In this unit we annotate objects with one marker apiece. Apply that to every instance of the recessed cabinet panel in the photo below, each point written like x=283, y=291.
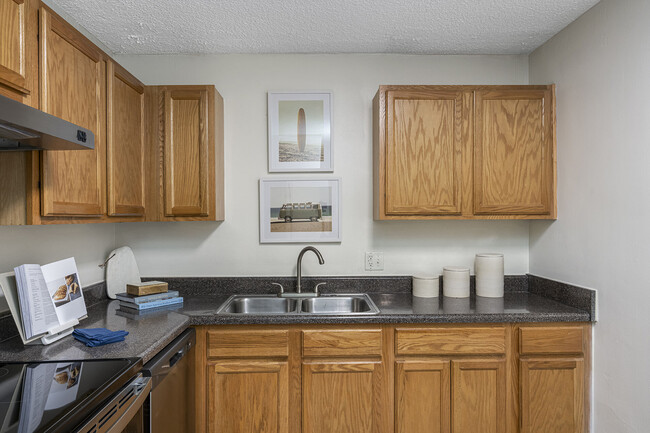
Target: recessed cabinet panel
x=248, y=396
x=513, y=152
x=422, y=396
x=13, y=40
x=478, y=396
x=423, y=154
x=73, y=78
x=552, y=395
x=340, y=397
x=126, y=146
x=186, y=153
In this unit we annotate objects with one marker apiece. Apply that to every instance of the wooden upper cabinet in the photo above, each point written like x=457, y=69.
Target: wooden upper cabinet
x=125, y=151
x=188, y=129
x=73, y=87
x=423, y=152
x=464, y=152
x=17, y=46
x=514, y=152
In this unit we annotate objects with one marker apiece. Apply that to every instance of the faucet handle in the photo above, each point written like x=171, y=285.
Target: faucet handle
x=317, y=286
x=280, y=286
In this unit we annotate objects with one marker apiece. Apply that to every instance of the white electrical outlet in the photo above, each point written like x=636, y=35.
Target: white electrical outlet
x=374, y=261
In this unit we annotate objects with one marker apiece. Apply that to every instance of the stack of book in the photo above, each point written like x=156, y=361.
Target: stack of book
x=149, y=295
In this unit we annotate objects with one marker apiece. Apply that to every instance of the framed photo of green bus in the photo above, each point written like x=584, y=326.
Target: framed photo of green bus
x=300, y=130
x=300, y=210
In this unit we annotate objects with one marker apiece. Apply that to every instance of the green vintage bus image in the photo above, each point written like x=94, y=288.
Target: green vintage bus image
x=300, y=211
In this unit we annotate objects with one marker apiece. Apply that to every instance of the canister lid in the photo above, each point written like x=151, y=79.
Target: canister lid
x=455, y=269
x=425, y=276
x=490, y=255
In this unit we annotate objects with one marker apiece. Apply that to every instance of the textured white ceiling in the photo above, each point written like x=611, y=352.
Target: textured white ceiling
x=328, y=26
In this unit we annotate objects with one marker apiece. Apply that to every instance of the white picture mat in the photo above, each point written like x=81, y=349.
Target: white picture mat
x=266, y=236
x=275, y=165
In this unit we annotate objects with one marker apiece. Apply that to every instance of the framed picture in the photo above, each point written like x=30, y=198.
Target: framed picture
x=300, y=210
x=300, y=129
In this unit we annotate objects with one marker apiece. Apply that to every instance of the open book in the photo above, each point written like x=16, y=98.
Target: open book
x=48, y=297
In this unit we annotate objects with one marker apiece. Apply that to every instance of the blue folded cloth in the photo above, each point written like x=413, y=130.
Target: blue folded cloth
x=92, y=337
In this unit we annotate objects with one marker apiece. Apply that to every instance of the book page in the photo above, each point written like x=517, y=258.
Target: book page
x=36, y=304
x=64, y=287
x=36, y=389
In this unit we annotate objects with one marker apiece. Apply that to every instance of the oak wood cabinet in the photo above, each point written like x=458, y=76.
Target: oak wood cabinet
x=248, y=396
x=341, y=396
x=456, y=374
x=158, y=150
x=422, y=396
x=18, y=50
x=447, y=378
x=186, y=153
x=73, y=87
x=554, y=379
x=125, y=150
x=342, y=380
x=464, y=152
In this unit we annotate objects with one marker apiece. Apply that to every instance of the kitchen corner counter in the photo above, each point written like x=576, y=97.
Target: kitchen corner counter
x=147, y=336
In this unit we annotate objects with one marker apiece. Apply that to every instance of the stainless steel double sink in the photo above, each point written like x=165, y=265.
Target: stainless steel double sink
x=339, y=305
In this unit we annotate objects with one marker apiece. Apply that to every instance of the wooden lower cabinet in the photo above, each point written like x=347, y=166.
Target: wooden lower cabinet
x=530, y=378
x=552, y=393
x=422, y=396
x=248, y=396
x=341, y=396
x=478, y=397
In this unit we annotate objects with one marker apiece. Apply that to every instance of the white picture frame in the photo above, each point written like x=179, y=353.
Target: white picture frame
x=303, y=222
x=300, y=142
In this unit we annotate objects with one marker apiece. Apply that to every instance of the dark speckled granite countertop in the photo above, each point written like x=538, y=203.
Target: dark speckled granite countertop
x=404, y=308
x=152, y=331
x=146, y=337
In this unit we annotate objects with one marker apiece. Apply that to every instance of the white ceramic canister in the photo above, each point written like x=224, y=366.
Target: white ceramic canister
x=455, y=282
x=426, y=286
x=489, y=275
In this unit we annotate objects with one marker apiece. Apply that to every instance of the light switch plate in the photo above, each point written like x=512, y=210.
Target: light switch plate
x=374, y=261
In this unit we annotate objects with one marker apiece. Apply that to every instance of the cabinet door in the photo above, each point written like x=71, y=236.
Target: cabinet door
x=424, y=141
x=422, y=397
x=248, y=396
x=514, y=152
x=73, y=87
x=125, y=143
x=552, y=393
x=341, y=397
x=478, y=396
x=14, y=25
x=186, y=147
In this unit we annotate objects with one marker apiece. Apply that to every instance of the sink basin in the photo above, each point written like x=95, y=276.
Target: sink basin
x=339, y=304
x=258, y=305
x=345, y=305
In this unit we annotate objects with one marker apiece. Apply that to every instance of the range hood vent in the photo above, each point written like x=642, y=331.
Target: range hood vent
x=26, y=128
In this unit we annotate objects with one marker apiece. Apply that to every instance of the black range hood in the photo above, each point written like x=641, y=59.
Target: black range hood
x=26, y=128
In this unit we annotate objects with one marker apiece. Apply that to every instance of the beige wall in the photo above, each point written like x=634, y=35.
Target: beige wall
x=232, y=248
x=601, y=64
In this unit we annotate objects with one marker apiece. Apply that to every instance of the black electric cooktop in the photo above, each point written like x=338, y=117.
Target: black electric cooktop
x=58, y=396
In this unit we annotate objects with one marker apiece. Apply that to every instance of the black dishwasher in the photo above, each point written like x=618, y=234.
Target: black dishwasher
x=167, y=410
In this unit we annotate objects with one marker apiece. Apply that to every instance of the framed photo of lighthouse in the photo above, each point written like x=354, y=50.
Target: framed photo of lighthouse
x=300, y=130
